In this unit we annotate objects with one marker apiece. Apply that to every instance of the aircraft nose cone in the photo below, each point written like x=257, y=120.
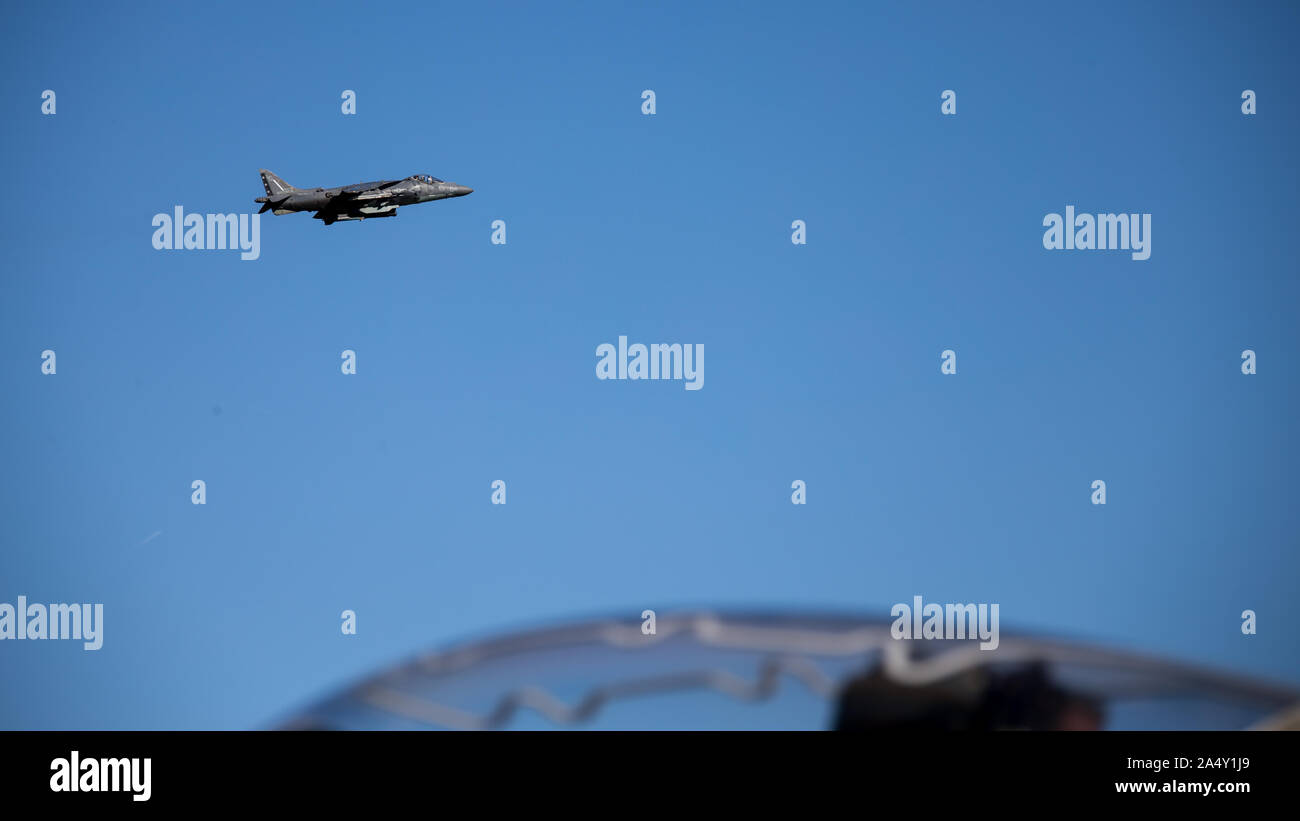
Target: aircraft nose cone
x=460, y=190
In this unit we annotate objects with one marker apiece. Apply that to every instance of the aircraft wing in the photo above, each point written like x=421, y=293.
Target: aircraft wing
x=349, y=199
x=367, y=190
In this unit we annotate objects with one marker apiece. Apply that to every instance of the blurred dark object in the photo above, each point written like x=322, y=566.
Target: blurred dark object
x=1024, y=699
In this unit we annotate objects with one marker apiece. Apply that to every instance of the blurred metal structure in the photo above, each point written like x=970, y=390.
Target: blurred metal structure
x=705, y=670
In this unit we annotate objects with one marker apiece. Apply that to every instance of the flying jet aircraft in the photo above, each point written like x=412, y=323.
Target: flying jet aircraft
x=354, y=202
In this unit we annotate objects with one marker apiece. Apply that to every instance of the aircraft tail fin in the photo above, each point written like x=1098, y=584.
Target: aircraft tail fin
x=274, y=185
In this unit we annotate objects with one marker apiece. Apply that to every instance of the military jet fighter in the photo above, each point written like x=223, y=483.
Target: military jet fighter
x=354, y=202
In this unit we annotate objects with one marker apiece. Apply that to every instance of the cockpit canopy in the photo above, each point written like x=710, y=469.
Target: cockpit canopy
x=425, y=178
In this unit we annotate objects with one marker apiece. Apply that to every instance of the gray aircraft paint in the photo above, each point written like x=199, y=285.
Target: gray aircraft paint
x=364, y=200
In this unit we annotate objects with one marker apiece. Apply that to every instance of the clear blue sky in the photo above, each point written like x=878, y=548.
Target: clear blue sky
x=476, y=362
